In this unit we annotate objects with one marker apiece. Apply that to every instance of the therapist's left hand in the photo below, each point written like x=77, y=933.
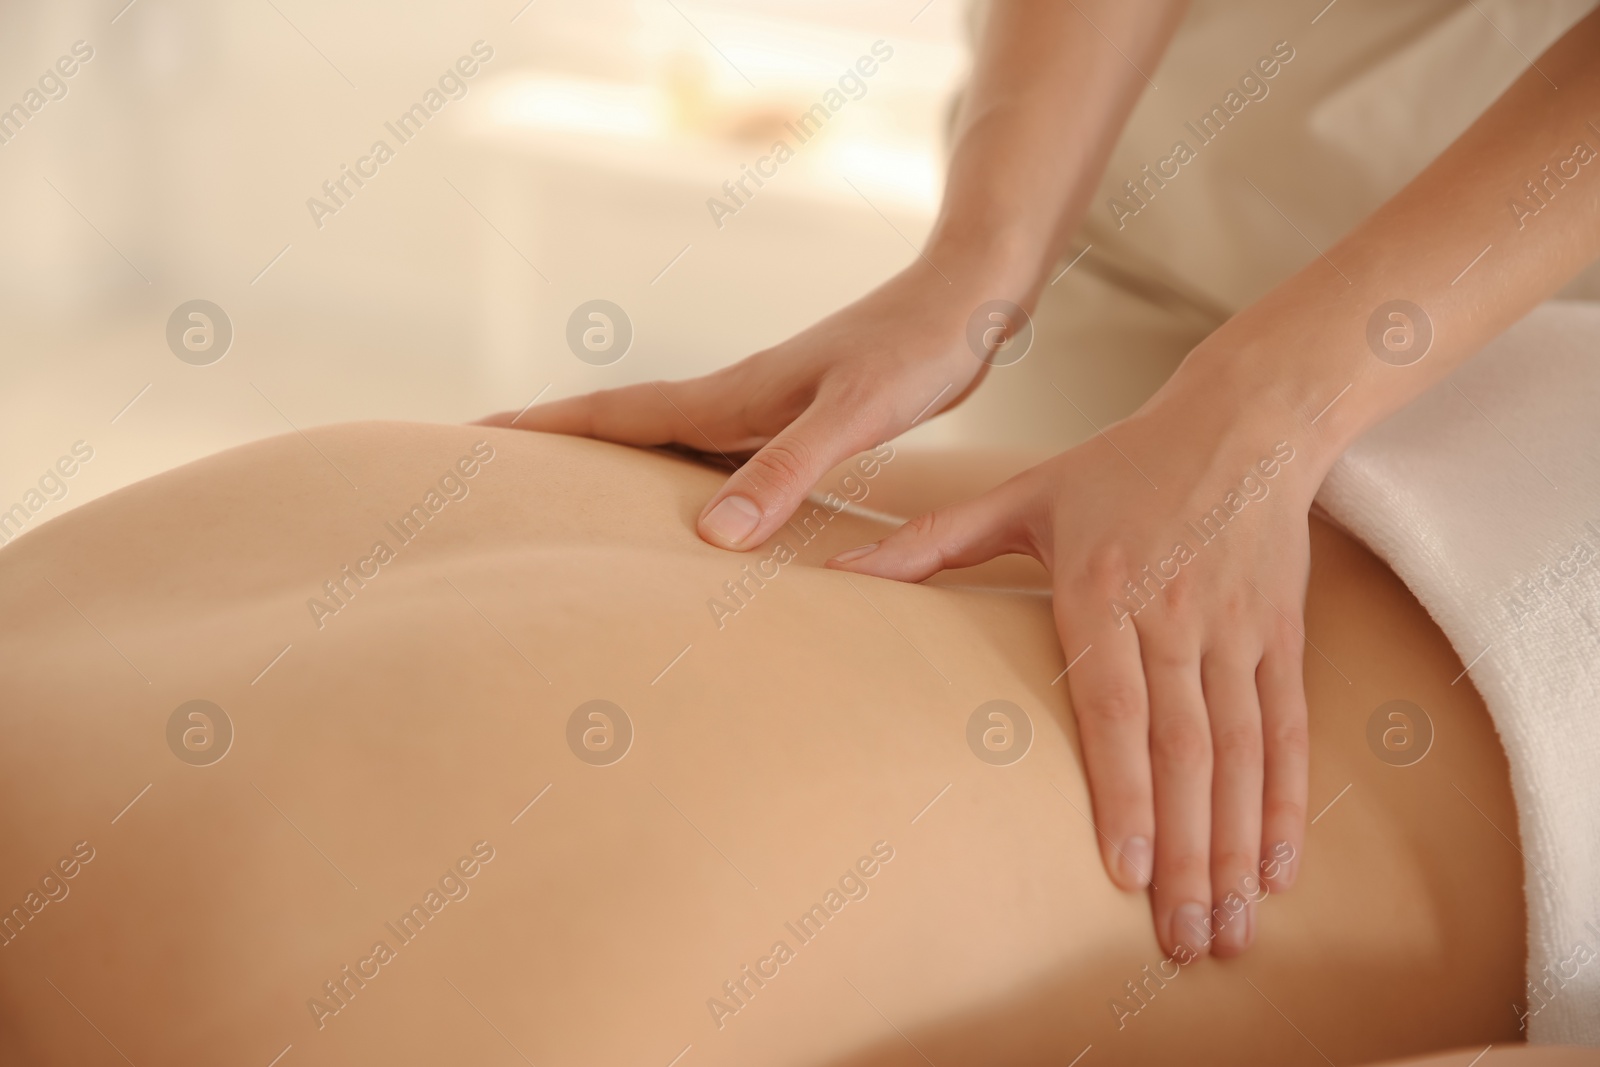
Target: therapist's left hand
x=1184, y=648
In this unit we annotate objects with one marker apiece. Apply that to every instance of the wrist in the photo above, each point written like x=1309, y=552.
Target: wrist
x=1297, y=365
x=1234, y=415
x=984, y=262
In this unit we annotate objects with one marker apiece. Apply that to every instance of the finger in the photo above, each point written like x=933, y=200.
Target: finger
x=1229, y=682
x=764, y=493
x=962, y=535
x=1286, y=747
x=1180, y=766
x=694, y=413
x=499, y=418
x=1110, y=702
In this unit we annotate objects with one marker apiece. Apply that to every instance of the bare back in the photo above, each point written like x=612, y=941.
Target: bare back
x=423, y=840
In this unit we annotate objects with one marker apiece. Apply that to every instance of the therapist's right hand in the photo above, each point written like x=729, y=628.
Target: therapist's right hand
x=861, y=376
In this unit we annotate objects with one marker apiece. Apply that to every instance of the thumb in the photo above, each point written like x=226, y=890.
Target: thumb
x=961, y=535
x=764, y=493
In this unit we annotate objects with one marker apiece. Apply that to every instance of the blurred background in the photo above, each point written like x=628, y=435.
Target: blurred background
x=176, y=164
x=154, y=153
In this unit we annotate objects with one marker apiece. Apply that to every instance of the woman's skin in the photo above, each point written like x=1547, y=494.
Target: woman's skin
x=774, y=747
x=1191, y=710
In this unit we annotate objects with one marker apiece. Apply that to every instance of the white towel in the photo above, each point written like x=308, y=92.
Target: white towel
x=1484, y=497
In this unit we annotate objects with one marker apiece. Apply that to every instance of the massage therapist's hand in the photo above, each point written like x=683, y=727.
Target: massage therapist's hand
x=1036, y=123
x=1179, y=557
x=857, y=378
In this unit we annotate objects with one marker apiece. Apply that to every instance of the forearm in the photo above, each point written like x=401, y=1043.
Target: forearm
x=1300, y=363
x=1048, y=97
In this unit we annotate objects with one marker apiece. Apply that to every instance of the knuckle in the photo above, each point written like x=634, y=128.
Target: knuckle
x=1180, y=596
x=1285, y=637
x=730, y=381
x=1166, y=654
x=1238, y=744
x=1106, y=569
x=784, y=467
x=1114, y=704
x=939, y=529
x=1284, y=811
x=1234, y=607
x=1180, y=741
x=853, y=392
x=1290, y=738
x=609, y=402
x=1232, y=864
x=926, y=525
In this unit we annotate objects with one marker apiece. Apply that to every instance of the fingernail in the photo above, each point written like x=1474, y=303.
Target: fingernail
x=853, y=554
x=732, y=520
x=1234, y=935
x=1189, y=928
x=1136, y=855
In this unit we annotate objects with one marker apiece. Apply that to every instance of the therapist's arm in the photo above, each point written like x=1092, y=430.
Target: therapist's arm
x=1521, y=187
x=1186, y=647
x=1052, y=85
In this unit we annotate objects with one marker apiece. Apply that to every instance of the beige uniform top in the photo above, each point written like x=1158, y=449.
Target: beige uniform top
x=1275, y=126
x=1268, y=133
